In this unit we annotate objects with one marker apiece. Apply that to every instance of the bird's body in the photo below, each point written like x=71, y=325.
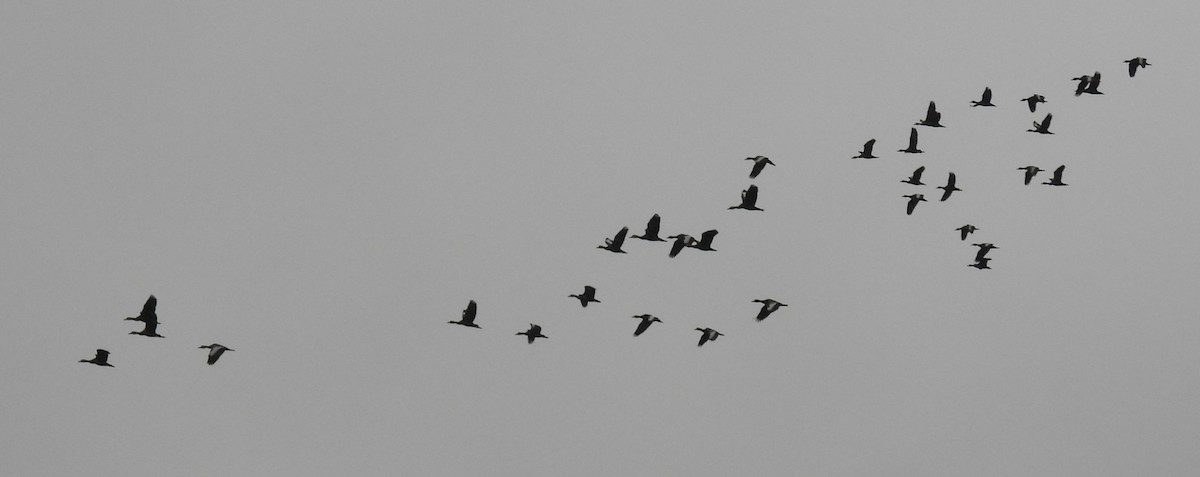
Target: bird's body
x=705, y=242
x=101, y=359
x=681, y=241
x=949, y=188
x=647, y=320
x=150, y=329
x=1082, y=85
x=967, y=230
x=1056, y=180
x=1093, y=84
x=760, y=162
x=986, y=100
x=866, y=152
x=215, y=351
x=768, y=306
x=912, y=201
x=468, y=316
x=651, y=233
x=1030, y=171
x=984, y=248
x=749, y=199
x=912, y=143
x=614, y=244
x=981, y=264
x=534, y=332
x=148, y=311
x=1042, y=127
x=1135, y=63
x=708, y=334
x=588, y=296
x=915, y=178
x=932, y=117
x=1033, y=101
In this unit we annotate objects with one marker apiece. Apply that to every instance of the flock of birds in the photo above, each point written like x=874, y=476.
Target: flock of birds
x=149, y=319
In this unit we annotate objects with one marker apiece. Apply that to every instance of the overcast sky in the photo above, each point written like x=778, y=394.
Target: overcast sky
x=321, y=186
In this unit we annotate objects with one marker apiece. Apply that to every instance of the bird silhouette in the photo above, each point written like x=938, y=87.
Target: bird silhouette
x=749, y=199
x=215, y=351
x=915, y=178
x=468, y=316
x=1042, y=127
x=1057, y=179
x=1033, y=101
x=866, y=152
x=1082, y=85
x=588, y=296
x=681, y=241
x=981, y=264
x=949, y=187
x=651, y=232
x=912, y=201
x=150, y=329
x=912, y=143
x=760, y=162
x=986, y=100
x=1135, y=63
x=614, y=244
x=1030, y=171
x=708, y=334
x=768, y=306
x=101, y=359
x=534, y=332
x=932, y=117
x=647, y=320
x=1092, y=85
x=705, y=242
x=967, y=230
x=984, y=248
x=147, y=314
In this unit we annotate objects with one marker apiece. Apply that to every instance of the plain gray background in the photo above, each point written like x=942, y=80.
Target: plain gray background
x=321, y=186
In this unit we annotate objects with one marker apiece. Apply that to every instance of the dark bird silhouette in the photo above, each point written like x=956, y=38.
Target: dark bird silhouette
x=647, y=320
x=534, y=332
x=949, y=187
x=760, y=162
x=589, y=295
x=1042, y=127
x=215, y=351
x=147, y=315
x=1033, y=101
x=651, y=232
x=1083, y=84
x=681, y=241
x=768, y=306
x=614, y=244
x=101, y=359
x=705, y=242
x=915, y=178
x=981, y=264
x=1093, y=84
x=932, y=117
x=151, y=330
x=986, y=100
x=1030, y=171
x=1135, y=63
x=1057, y=179
x=967, y=230
x=468, y=316
x=912, y=201
x=984, y=248
x=709, y=334
x=749, y=199
x=912, y=143
x=866, y=152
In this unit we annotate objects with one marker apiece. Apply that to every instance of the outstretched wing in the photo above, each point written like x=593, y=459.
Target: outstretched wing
x=468, y=315
x=987, y=95
x=868, y=146
x=652, y=226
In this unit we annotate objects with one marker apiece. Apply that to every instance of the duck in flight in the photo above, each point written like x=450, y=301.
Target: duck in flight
x=708, y=334
x=468, y=316
x=760, y=162
x=866, y=152
x=214, y=352
x=588, y=296
x=949, y=188
x=932, y=117
x=986, y=100
x=984, y=248
x=1057, y=179
x=1082, y=85
x=768, y=306
x=150, y=329
x=147, y=315
x=915, y=178
x=912, y=201
x=651, y=232
x=1030, y=171
x=967, y=230
x=1135, y=63
x=614, y=244
x=981, y=264
x=647, y=320
x=1093, y=84
x=534, y=332
x=101, y=359
x=912, y=143
x=749, y=199
x=681, y=241
x=1042, y=127
x=1033, y=101
x=705, y=242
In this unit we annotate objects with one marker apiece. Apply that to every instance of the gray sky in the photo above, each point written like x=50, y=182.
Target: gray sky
x=322, y=186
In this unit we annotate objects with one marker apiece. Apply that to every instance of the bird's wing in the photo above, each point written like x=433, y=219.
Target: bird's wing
x=214, y=353
x=620, y=237
x=1133, y=65
x=652, y=226
x=912, y=139
x=931, y=114
x=758, y=167
x=751, y=195
x=868, y=146
x=1046, y=122
x=151, y=327
x=101, y=355
x=987, y=95
x=950, y=181
x=917, y=173
x=642, y=327
x=680, y=242
x=468, y=315
x=151, y=304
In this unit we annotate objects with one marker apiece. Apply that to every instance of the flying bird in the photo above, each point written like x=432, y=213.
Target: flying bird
x=984, y=248
x=915, y=178
x=932, y=117
x=768, y=306
x=749, y=199
x=1093, y=84
x=967, y=230
x=912, y=201
x=949, y=187
x=708, y=334
x=1030, y=171
x=1033, y=101
x=614, y=244
x=1042, y=127
x=981, y=264
x=681, y=241
x=1057, y=179
x=534, y=332
x=588, y=296
x=912, y=143
x=866, y=152
x=1135, y=63
x=760, y=162
x=147, y=315
x=986, y=100
x=101, y=359
x=468, y=316
x=150, y=329
x=1083, y=84
x=705, y=242
x=651, y=232
x=647, y=320
x=215, y=351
